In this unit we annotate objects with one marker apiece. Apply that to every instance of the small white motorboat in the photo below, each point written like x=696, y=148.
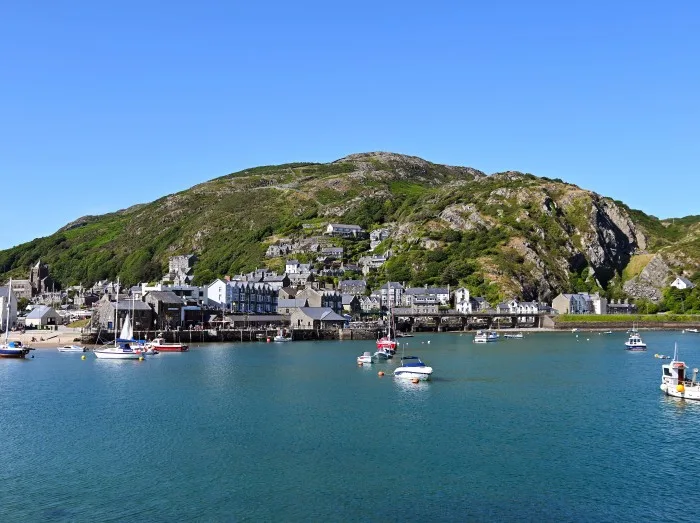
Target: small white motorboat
x=485, y=336
x=71, y=348
x=515, y=335
x=366, y=358
x=280, y=338
x=413, y=368
x=675, y=382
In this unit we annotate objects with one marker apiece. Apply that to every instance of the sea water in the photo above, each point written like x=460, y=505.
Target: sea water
x=552, y=427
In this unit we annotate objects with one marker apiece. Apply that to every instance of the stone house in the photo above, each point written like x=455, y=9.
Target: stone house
x=22, y=289
x=351, y=304
x=312, y=318
x=370, y=304
x=356, y=287
x=167, y=307
x=287, y=306
x=140, y=313
x=322, y=298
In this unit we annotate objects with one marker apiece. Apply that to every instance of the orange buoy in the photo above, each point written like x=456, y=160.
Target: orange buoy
x=380, y=373
x=415, y=380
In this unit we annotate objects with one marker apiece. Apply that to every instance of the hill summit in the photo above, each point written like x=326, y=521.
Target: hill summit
x=503, y=235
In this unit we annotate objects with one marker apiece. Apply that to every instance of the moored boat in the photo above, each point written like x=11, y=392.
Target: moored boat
x=365, y=358
x=282, y=338
x=514, y=335
x=125, y=348
x=162, y=346
x=413, y=368
x=11, y=349
x=485, y=336
x=674, y=380
x=71, y=348
x=635, y=343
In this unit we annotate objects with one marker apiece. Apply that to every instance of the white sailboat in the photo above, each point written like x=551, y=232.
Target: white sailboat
x=11, y=349
x=125, y=347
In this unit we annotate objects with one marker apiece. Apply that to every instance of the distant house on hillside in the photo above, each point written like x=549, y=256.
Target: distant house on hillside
x=345, y=231
x=682, y=283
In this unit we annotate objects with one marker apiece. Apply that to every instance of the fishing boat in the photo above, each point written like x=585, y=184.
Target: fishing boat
x=485, y=336
x=692, y=330
x=675, y=382
x=11, y=349
x=635, y=343
x=71, y=348
x=515, y=335
x=162, y=346
x=413, y=368
x=365, y=358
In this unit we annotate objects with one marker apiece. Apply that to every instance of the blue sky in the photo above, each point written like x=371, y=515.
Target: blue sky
x=106, y=106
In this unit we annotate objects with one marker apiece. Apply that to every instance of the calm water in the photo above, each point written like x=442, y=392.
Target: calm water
x=548, y=428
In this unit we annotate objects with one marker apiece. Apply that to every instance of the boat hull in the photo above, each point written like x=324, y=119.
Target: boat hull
x=412, y=373
x=21, y=353
x=689, y=392
x=171, y=348
x=72, y=348
x=107, y=355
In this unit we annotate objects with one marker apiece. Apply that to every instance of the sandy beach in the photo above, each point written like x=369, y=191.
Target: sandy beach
x=51, y=339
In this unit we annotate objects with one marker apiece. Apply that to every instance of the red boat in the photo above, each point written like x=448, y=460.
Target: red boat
x=386, y=343
x=162, y=346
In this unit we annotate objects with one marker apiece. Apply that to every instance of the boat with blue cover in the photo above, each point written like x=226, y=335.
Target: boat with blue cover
x=413, y=368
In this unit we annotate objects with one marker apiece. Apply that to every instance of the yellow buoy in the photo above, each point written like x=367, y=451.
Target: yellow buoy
x=380, y=373
x=82, y=357
x=140, y=358
x=680, y=387
x=414, y=380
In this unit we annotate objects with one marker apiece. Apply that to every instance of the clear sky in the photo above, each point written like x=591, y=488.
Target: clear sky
x=108, y=104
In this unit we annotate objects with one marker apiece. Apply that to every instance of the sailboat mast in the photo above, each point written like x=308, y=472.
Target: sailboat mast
x=7, y=321
x=116, y=314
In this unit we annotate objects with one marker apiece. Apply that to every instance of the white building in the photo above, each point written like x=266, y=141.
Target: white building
x=41, y=316
x=341, y=229
x=462, y=303
x=682, y=283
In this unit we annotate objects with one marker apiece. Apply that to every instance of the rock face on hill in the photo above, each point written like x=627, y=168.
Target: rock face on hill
x=651, y=280
x=502, y=235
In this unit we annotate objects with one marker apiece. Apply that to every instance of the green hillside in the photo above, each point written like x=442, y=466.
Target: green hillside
x=508, y=234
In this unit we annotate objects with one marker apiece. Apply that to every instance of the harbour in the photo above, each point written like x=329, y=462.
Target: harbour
x=550, y=427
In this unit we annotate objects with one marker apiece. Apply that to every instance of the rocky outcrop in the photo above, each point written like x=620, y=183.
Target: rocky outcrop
x=651, y=280
x=463, y=217
x=611, y=240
